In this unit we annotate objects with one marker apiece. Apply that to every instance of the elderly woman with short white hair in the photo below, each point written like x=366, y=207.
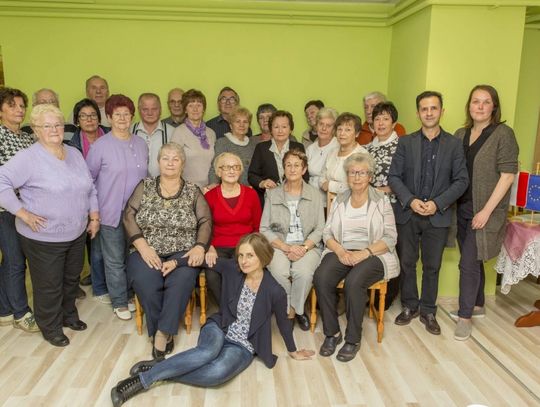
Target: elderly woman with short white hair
x=52, y=234
x=360, y=237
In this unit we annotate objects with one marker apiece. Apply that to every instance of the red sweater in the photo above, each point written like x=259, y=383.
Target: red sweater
x=230, y=224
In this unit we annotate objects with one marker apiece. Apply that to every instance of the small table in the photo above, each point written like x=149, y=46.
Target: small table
x=519, y=257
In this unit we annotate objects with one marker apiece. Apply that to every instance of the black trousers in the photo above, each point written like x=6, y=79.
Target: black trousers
x=472, y=277
x=357, y=280
x=54, y=269
x=213, y=279
x=419, y=234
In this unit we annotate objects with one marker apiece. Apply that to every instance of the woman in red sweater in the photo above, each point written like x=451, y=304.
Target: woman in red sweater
x=236, y=211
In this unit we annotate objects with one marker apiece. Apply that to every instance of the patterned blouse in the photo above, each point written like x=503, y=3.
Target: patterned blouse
x=169, y=225
x=11, y=143
x=382, y=153
x=238, y=331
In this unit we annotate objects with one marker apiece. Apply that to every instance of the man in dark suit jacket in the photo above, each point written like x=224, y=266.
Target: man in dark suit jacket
x=428, y=174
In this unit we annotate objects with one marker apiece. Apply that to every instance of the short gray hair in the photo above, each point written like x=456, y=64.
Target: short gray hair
x=174, y=147
x=222, y=157
x=37, y=92
x=376, y=94
x=39, y=110
x=327, y=112
x=360, y=158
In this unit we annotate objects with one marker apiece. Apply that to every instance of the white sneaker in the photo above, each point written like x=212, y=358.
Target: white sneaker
x=122, y=313
x=131, y=305
x=104, y=299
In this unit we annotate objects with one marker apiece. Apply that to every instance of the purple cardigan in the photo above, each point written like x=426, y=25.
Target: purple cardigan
x=59, y=190
x=117, y=166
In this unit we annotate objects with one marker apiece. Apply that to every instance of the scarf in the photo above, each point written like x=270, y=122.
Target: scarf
x=199, y=132
x=85, y=143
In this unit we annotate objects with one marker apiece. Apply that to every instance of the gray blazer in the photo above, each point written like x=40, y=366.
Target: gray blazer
x=276, y=215
x=451, y=177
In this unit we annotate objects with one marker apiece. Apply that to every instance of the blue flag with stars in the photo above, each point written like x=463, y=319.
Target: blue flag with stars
x=533, y=193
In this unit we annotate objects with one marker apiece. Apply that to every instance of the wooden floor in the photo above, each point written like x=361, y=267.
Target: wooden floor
x=498, y=366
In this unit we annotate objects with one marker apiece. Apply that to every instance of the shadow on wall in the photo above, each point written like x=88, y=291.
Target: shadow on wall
x=2, y=82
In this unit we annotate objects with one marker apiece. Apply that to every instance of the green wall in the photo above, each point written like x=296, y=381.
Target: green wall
x=283, y=64
x=528, y=101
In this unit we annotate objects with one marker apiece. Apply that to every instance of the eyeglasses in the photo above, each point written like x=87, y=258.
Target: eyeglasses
x=50, y=127
x=230, y=167
x=361, y=174
x=91, y=116
x=121, y=115
x=231, y=100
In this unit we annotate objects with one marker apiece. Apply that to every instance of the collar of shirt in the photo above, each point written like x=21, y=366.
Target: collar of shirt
x=284, y=149
x=376, y=142
x=140, y=130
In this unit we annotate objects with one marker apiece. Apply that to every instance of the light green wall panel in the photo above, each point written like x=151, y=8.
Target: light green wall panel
x=408, y=64
x=283, y=64
x=528, y=101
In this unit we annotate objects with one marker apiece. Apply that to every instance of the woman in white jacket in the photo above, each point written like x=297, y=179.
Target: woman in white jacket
x=360, y=237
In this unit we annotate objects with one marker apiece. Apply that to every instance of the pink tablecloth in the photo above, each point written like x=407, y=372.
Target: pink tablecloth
x=518, y=236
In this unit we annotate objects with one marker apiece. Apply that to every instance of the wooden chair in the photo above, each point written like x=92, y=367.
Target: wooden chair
x=378, y=313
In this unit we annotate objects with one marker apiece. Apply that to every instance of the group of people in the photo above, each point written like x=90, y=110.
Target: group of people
x=156, y=202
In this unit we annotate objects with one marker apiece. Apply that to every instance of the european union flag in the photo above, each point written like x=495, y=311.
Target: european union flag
x=533, y=193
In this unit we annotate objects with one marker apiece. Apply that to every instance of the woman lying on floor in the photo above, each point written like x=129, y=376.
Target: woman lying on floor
x=232, y=337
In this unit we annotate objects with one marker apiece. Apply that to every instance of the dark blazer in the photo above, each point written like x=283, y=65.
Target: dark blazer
x=271, y=299
x=451, y=177
x=76, y=139
x=263, y=166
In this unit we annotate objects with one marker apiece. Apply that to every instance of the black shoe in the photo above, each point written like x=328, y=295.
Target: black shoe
x=432, y=326
x=406, y=316
x=347, y=352
x=58, y=340
x=303, y=322
x=80, y=293
x=170, y=346
x=86, y=280
x=142, y=366
x=329, y=345
x=76, y=325
x=159, y=355
x=126, y=389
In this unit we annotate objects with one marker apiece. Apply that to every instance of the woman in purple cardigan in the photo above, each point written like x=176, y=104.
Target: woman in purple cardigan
x=118, y=161
x=48, y=175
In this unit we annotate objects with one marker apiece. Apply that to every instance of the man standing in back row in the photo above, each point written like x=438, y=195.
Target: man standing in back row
x=428, y=174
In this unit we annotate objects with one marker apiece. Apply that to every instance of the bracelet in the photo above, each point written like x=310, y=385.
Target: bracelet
x=306, y=248
x=370, y=252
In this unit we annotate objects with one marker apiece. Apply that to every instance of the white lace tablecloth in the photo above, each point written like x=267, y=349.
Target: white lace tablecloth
x=513, y=271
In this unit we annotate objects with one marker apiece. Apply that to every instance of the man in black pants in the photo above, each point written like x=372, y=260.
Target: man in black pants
x=428, y=174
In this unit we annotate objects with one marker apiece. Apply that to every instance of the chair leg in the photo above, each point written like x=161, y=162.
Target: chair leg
x=189, y=312
x=371, y=302
x=138, y=315
x=380, y=316
x=202, y=294
x=313, y=316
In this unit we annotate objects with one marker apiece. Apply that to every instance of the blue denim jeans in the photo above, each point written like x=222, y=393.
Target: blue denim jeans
x=97, y=268
x=113, y=248
x=13, y=297
x=212, y=362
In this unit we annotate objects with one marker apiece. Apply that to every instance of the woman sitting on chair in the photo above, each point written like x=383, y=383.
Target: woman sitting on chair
x=360, y=237
x=166, y=218
x=232, y=337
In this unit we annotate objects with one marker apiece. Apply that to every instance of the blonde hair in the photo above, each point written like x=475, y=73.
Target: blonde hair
x=39, y=111
x=173, y=147
x=241, y=111
x=222, y=157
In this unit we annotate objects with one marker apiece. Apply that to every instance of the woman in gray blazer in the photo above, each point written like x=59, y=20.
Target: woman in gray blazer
x=293, y=221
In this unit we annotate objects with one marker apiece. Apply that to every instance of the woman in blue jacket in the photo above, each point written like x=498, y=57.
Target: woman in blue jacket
x=232, y=337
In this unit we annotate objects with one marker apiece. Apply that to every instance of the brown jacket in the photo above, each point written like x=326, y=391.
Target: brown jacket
x=499, y=154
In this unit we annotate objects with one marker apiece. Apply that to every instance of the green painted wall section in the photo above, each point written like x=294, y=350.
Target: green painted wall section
x=285, y=65
x=528, y=101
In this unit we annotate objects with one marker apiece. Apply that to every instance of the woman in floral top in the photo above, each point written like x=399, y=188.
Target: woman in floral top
x=166, y=219
x=382, y=149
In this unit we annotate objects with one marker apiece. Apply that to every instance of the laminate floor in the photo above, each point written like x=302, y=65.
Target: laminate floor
x=498, y=366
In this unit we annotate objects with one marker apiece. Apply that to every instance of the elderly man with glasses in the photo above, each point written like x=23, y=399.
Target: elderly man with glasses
x=227, y=100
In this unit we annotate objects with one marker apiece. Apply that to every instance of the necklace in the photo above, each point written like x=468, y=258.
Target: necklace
x=167, y=202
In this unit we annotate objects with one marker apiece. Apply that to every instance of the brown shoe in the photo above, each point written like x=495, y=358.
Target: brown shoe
x=406, y=316
x=432, y=326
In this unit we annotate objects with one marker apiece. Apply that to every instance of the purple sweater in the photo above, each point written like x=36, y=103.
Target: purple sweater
x=59, y=190
x=117, y=166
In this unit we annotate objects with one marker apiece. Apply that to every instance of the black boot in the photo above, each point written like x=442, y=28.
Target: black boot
x=126, y=389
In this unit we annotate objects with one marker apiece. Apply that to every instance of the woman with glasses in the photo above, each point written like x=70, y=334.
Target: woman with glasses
x=86, y=116
x=236, y=212
x=237, y=142
x=55, y=207
x=166, y=218
x=14, y=308
x=118, y=161
x=196, y=138
x=293, y=221
x=360, y=237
